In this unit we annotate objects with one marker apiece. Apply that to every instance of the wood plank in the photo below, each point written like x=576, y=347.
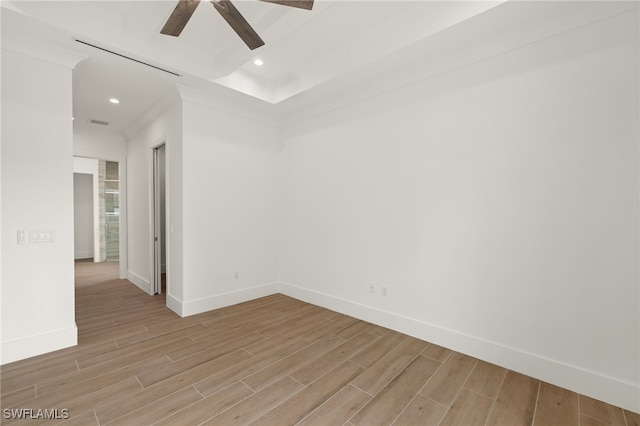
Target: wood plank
x=516, y=401
x=327, y=362
x=81, y=398
x=633, y=419
x=378, y=330
x=337, y=409
x=396, y=395
x=330, y=315
x=160, y=409
x=230, y=323
x=354, y=329
x=123, y=316
x=378, y=349
x=18, y=397
x=59, y=384
x=255, y=304
x=293, y=362
x=288, y=312
x=421, y=411
x=171, y=322
x=147, y=348
x=486, y=379
x=144, y=316
x=601, y=411
x=437, y=352
x=198, y=360
x=556, y=406
x=295, y=326
x=115, y=332
x=387, y=367
x=588, y=421
x=57, y=368
x=256, y=405
x=469, y=408
x=56, y=400
x=209, y=407
x=134, y=401
x=80, y=406
x=446, y=383
x=329, y=327
x=186, y=328
x=20, y=368
x=214, y=336
x=214, y=346
x=272, y=345
x=86, y=419
x=248, y=367
x=308, y=399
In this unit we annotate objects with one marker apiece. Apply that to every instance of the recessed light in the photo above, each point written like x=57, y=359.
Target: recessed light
x=114, y=101
x=258, y=62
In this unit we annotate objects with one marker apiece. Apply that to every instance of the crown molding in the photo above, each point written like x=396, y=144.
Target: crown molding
x=43, y=51
x=223, y=99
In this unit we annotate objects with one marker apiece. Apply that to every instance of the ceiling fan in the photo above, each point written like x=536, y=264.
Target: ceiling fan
x=185, y=8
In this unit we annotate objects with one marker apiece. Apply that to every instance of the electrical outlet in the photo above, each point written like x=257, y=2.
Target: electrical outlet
x=383, y=290
x=372, y=288
x=21, y=236
x=236, y=275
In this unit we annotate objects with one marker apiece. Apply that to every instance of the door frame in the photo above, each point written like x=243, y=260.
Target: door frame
x=155, y=231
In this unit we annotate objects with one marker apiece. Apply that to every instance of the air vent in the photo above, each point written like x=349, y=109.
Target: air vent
x=100, y=122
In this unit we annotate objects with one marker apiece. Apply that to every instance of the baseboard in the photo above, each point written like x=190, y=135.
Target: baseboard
x=144, y=285
x=196, y=306
x=26, y=347
x=175, y=305
x=589, y=383
x=87, y=254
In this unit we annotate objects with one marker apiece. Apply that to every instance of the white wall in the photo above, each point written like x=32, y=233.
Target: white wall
x=221, y=210
x=498, y=203
x=37, y=194
x=90, y=166
x=92, y=142
x=83, y=228
x=230, y=207
x=164, y=126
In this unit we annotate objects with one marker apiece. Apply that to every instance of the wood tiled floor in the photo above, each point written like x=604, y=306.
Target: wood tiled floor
x=271, y=361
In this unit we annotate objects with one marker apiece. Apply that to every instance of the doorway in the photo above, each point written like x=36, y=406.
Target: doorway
x=99, y=187
x=159, y=220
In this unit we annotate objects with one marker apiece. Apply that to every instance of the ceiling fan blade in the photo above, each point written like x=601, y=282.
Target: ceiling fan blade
x=240, y=25
x=301, y=4
x=179, y=17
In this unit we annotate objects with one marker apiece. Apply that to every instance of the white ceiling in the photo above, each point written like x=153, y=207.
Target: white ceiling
x=308, y=57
